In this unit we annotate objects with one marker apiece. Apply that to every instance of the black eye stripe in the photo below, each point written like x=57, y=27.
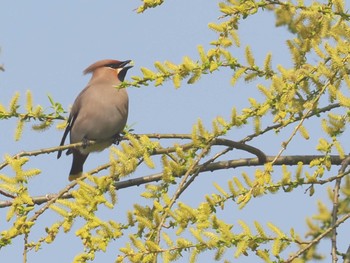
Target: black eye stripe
x=113, y=66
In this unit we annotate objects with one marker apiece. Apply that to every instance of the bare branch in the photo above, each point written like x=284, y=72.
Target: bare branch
x=242, y=146
x=159, y=136
x=25, y=247
x=6, y=194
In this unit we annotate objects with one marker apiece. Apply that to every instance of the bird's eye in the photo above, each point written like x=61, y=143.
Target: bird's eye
x=112, y=66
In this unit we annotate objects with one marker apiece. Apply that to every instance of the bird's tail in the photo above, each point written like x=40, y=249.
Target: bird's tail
x=77, y=166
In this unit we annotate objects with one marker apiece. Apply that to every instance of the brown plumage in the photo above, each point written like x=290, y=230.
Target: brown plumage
x=99, y=112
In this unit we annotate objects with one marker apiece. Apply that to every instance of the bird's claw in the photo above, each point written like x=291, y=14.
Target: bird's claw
x=117, y=138
x=85, y=143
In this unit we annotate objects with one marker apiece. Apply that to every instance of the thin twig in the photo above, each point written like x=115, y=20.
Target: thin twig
x=204, y=165
x=347, y=256
x=344, y=164
x=38, y=213
x=47, y=150
x=276, y=126
x=53, y=200
x=25, y=246
x=334, y=219
x=303, y=118
x=6, y=194
x=182, y=136
x=178, y=191
x=317, y=239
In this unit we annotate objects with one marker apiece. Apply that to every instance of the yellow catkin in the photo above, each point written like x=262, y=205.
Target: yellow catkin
x=2, y=109
x=29, y=104
x=19, y=130
x=14, y=102
x=249, y=56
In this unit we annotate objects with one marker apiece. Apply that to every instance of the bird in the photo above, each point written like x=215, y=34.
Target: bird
x=99, y=112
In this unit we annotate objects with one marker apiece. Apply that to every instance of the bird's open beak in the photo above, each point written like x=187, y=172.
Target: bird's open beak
x=124, y=63
x=122, y=72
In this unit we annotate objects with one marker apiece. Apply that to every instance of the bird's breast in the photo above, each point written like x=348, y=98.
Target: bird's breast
x=103, y=114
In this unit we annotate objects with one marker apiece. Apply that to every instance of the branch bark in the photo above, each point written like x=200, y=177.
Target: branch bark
x=336, y=189
x=282, y=160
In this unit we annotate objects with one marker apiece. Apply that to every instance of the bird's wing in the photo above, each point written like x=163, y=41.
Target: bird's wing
x=71, y=120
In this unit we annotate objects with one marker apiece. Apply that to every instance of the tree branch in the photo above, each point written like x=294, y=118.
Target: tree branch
x=217, y=141
x=46, y=150
x=193, y=169
x=347, y=256
x=344, y=164
x=241, y=146
x=6, y=194
x=282, y=160
x=280, y=125
x=317, y=239
x=25, y=247
x=302, y=119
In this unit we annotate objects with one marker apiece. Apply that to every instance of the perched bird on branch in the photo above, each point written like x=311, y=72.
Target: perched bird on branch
x=99, y=113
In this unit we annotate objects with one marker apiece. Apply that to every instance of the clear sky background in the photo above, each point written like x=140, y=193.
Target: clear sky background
x=45, y=46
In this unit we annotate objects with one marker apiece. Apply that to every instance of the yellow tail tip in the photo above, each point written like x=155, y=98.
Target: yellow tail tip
x=73, y=177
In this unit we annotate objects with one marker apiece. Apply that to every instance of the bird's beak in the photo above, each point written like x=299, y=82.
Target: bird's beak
x=124, y=63
x=122, y=72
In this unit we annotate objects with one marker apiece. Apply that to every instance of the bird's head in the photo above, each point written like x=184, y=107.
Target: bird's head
x=119, y=66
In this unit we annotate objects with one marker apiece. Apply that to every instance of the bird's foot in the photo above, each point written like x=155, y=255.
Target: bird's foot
x=85, y=143
x=117, y=138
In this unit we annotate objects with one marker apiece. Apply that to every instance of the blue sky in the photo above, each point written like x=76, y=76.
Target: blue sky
x=46, y=45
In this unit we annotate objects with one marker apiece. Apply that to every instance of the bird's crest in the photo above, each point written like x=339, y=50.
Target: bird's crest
x=100, y=64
